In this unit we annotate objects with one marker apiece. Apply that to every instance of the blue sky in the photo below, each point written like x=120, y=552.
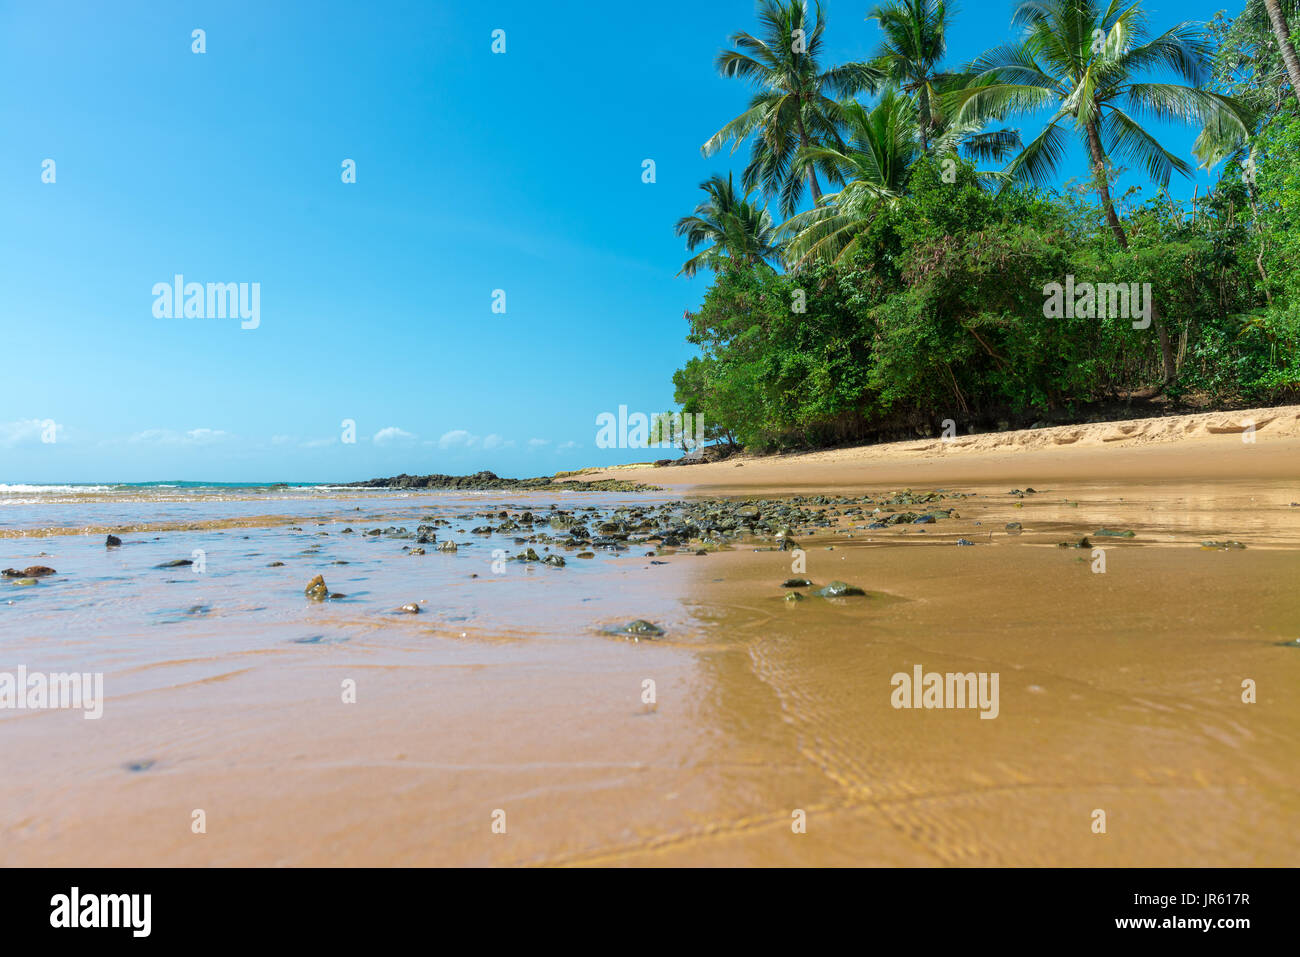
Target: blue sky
x=475, y=171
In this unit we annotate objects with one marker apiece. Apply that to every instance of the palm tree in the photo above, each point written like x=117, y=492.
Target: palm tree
x=740, y=232
x=873, y=165
x=1081, y=60
x=883, y=143
x=1251, y=61
x=914, y=44
x=1283, y=34
x=796, y=104
x=915, y=41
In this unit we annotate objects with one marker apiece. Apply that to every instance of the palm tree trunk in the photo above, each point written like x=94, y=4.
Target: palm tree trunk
x=1284, y=44
x=812, y=172
x=1103, y=186
x=1099, y=165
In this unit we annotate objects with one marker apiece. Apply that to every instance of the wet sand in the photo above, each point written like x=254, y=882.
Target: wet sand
x=1119, y=690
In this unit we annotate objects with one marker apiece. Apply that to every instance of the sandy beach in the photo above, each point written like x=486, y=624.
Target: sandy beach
x=509, y=723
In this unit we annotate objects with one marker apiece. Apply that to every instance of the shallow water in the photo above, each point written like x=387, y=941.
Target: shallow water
x=1119, y=690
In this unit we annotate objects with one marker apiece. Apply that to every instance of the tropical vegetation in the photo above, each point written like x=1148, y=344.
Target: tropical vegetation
x=911, y=285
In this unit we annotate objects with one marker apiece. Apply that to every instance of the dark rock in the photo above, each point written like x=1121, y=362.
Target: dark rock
x=640, y=629
x=839, y=589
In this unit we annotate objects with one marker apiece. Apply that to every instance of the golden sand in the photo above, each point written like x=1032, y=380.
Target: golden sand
x=1121, y=691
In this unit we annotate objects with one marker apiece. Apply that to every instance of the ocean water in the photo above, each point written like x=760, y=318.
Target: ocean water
x=252, y=550
x=226, y=689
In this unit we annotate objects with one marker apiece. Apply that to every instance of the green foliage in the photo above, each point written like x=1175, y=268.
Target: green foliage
x=938, y=313
x=917, y=294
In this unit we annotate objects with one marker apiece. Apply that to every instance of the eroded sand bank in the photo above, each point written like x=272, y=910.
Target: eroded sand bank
x=1253, y=443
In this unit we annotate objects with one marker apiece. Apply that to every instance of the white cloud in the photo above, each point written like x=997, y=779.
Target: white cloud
x=318, y=443
x=27, y=431
x=567, y=445
x=189, y=437
x=458, y=438
x=538, y=443
x=392, y=434
x=464, y=439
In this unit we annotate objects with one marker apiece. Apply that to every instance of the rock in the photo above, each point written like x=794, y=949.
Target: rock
x=528, y=556
x=275, y=565
x=839, y=589
x=112, y=542
x=38, y=571
x=962, y=541
x=1015, y=528
x=793, y=596
x=1081, y=543
x=417, y=551
x=175, y=563
x=316, y=589
x=586, y=555
x=796, y=583
x=554, y=560
x=26, y=581
x=11, y=573
x=447, y=546
x=1210, y=544
x=1114, y=533
x=410, y=608
x=640, y=629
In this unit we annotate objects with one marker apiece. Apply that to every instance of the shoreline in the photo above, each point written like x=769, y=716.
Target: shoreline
x=1197, y=446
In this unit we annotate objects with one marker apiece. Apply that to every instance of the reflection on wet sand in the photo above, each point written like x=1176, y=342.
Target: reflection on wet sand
x=1120, y=691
